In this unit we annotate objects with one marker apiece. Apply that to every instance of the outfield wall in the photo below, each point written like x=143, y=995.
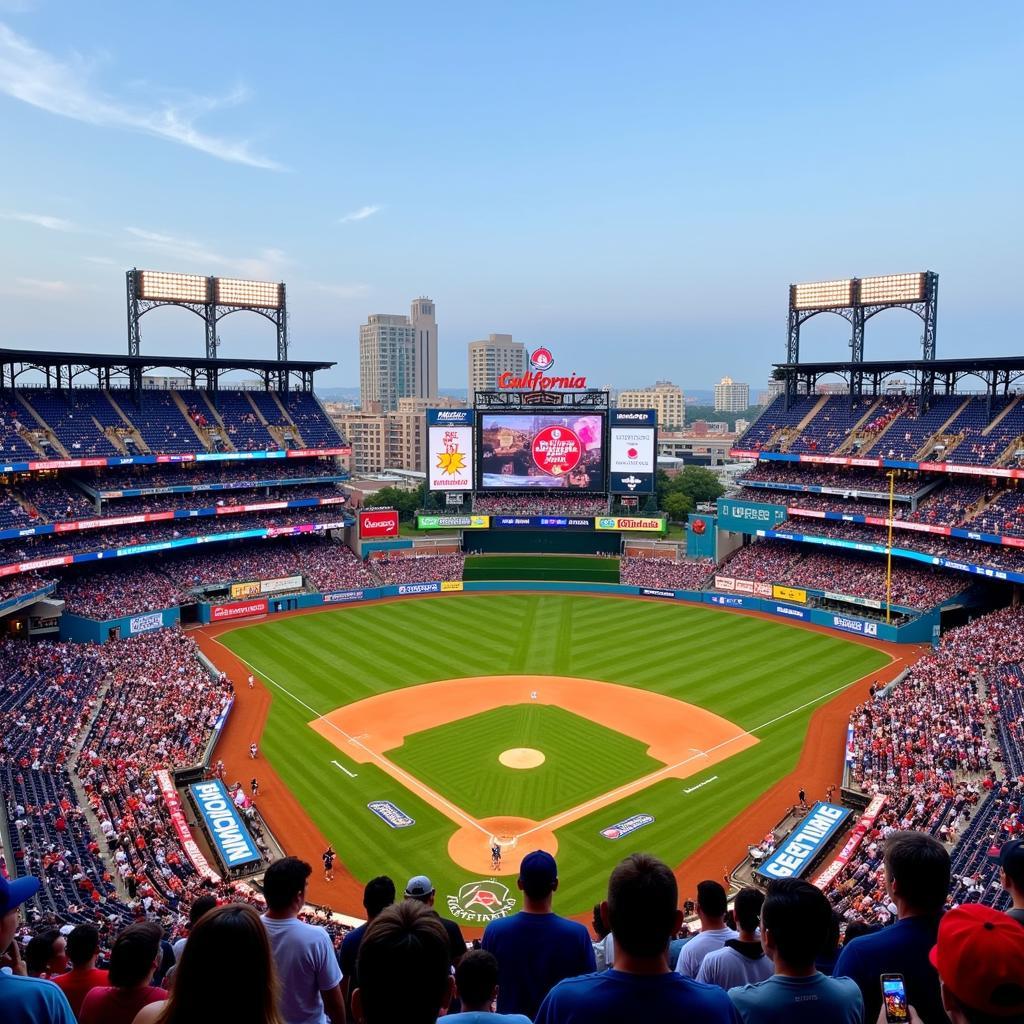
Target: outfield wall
x=917, y=631
x=83, y=630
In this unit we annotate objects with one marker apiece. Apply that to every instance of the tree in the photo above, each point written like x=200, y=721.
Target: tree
x=697, y=483
x=677, y=506
x=406, y=502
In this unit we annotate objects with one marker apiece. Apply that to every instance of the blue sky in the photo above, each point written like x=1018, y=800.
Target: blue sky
x=632, y=185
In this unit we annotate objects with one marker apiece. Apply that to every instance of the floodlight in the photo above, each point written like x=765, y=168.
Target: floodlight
x=157, y=285
x=822, y=294
x=262, y=294
x=892, y=288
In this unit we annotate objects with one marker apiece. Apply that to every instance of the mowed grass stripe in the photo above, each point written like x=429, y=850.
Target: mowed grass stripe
x=747, y=670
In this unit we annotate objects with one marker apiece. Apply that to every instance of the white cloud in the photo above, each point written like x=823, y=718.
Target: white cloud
x=40, y=220
x=103, y=261
x=43, y=81
x=339, y=291
x=361, y=214
x=196, y=257
x=36, y=286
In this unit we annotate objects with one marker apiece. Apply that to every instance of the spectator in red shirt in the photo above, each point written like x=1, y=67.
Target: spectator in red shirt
x=133, y=962
x=83, y=949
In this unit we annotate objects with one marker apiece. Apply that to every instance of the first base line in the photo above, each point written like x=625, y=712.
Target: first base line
x=351, y=775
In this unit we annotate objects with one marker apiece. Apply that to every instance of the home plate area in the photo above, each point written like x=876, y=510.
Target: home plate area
x=666, y=738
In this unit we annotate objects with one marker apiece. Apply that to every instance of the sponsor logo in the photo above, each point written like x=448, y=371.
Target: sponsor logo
x=238, y=610
x=419, y=588
x=479, y=902
x=340, y=596
x=447, y=586
x=629, y=523
x=657, y=593
x=800, y=848
x=622, y=416
x=390, y=814
x=795, y=594
x=378, y=524
x=144, y=623
x=791, y=613
x=229, y=835
x=729, y=602
x=542, y=359
x=451, y=415
x=538, y=381
x=557, y=450
x=699, y=526
x=632, y=482
x=625, y=827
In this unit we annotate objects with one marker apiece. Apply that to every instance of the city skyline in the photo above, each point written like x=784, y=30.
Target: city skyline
x=636, y=196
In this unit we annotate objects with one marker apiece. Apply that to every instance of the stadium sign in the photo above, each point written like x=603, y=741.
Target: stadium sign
x=627, y=826
x=805, y=842
x=342, y=596
x=450, y=449
x=541, y=360
x=647, y=592
x=860, y=626
x=654, y=525
x=541, y=522
x=419, y=588
x=794, y=594
x=238, y=610
x=449, y=522
x=748, y=516
x=230, y=837
x=257, y=587
x=480, y=902
x=378, y=524
x=145, y=623
x=390, y=814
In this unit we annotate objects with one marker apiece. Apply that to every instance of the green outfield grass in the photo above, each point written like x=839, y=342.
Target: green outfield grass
x=460, y=761
x=752, y=671
x=542, y=567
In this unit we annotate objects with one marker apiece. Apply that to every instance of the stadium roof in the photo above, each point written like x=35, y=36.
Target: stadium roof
x=34, y=358
x=936, y=366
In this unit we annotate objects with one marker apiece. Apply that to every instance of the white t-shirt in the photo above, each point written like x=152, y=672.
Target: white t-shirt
x=693, y=953
x=306, y=966
x=729, y=968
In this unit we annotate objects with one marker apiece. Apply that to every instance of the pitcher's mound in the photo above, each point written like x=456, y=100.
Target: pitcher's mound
x=521, y=757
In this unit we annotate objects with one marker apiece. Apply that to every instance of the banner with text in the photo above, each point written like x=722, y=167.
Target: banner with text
x=450, y=449
x=803, y=845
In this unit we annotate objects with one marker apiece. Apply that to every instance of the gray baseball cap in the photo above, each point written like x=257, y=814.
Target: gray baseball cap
x=418, y=887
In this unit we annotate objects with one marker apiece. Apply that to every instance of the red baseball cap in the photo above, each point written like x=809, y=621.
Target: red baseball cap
x=980, y=959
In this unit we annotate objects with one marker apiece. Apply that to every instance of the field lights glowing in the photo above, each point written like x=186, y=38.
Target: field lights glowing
x=822, y=294
x=155, y=284
x=262, y=294
x=892, y=288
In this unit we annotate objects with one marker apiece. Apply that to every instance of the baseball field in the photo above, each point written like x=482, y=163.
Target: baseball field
x=416, y=734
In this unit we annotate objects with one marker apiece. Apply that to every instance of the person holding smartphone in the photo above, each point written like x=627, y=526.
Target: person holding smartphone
x=23, y=998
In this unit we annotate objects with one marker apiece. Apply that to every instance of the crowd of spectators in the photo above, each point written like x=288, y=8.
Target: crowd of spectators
x=763, y=561
x=558, y=502
x=418, y=569
x=664, y=573
x=841, y=477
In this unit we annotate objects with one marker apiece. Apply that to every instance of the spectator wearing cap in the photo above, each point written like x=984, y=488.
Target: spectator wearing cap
x=536, y=948
x=795, y=923
x=1011, y=875
x=642, y=910
x=421, y=889
x=83, y=949
x=24, y=1000
x=740, y=961
x=476, y=984
x=916, y=869
x=378, y=894
x=303, y=953
x=711, y=909
x=134, y=959
x=979, y=957
x=404, y=967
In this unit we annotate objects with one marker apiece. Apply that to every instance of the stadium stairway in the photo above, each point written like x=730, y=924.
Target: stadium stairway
x=222, y=438
x=203, y=435
x=30, y=436
x=855, y=435
x=929, y=445
x=785, y=436
x=132, y=431
x=296, y=434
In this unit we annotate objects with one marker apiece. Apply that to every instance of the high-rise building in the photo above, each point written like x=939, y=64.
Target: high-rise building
x=664, y=396
x=731, y=396
x=491, y=358
x=398, y=357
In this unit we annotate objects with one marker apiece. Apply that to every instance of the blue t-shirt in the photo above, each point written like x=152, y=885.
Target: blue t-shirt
x=614, y=997
x=32, y=1000
x=483, y=1017
x=534, y=953
x=899, y=948
x=810, y=1000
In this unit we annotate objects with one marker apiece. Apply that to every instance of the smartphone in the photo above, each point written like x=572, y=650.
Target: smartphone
x=894, y=999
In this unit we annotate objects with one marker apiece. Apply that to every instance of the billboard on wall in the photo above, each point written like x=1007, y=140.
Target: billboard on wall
x=450, y=449
x=748, y=516
x=795, y=594
x=238, y=610
x=276, y=586
x=632, y=457
x=799, y=849
x=232, y=839
x=378, y=524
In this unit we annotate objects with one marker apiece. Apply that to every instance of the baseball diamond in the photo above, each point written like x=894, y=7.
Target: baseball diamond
x=625, y=698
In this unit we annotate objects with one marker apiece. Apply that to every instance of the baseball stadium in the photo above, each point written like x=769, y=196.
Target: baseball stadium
x=217, y=654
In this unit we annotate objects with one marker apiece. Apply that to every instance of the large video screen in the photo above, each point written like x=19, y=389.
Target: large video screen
x=543, y=450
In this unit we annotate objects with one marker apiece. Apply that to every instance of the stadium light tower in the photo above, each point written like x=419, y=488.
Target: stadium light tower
x=210, y=298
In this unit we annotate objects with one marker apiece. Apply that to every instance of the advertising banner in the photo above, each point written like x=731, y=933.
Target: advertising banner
x=419, y=588
x=787, y=611
x=180, y=825
x=864, y=824
x=630, y=523
x=647, y=592
x=543, y=451
x=453, y=522
x=230, y=837
x=342, y=596
x=748, y=516
x=254, y=588
x=145, y=623
x=541, y=523
x=795, y=594
x=450, y=449
x=378, y=524
x=451, y=586
x=725, y=583
x=861, y=626
x=805, y=842
x=238, y=610
x=632, y=458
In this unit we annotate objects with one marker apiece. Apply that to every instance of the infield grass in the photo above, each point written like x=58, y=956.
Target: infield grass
x=754, y=672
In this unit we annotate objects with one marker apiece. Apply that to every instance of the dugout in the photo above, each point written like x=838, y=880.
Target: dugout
x=541, y=542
